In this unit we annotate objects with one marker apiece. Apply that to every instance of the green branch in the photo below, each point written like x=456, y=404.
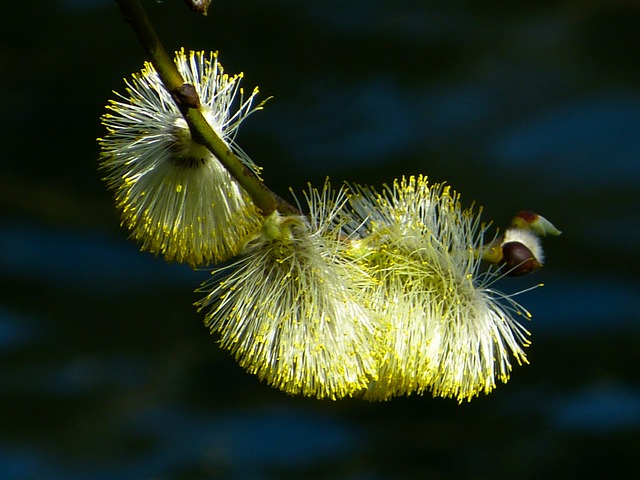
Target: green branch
x=188, y=102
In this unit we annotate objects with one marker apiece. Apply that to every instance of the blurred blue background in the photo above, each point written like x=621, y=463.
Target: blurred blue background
x=106, y=370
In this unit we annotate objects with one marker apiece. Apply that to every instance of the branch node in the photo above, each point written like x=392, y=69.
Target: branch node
x=186, y=96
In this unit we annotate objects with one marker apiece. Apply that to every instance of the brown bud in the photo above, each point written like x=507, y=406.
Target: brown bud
x=518, y=259
x=186, y=96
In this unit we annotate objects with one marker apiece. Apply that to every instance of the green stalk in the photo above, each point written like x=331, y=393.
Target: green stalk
x=188, y=102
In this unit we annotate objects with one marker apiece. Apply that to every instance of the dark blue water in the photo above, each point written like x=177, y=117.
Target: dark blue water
x=105, y=368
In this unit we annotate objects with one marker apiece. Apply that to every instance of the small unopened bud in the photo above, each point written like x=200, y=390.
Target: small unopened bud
x=518, y=250
x=518, y=259
x=521, y=251
x=534, y=222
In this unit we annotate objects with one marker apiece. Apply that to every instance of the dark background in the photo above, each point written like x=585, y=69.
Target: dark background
x=106, y=370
